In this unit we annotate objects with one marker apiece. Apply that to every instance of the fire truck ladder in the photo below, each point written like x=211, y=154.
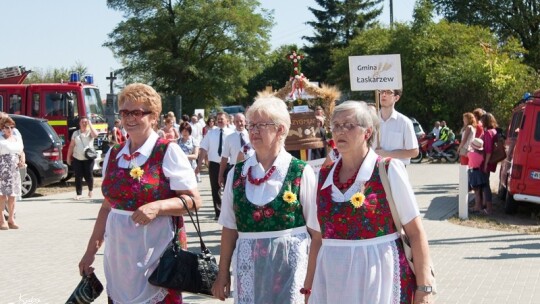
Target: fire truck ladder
x=13, y=75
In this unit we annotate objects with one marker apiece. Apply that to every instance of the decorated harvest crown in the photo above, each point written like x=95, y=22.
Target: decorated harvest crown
x=299, y=91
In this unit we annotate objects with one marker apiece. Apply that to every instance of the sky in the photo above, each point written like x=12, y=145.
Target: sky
x=61, y=33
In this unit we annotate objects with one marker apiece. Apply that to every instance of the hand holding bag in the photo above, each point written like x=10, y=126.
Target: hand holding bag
x=87, y=291
x=89, y=152
x=395, y=216
x=184, y=270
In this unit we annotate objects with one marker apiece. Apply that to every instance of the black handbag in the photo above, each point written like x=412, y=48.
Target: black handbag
x=183, y=270
x=90, y=153
x=87, y=291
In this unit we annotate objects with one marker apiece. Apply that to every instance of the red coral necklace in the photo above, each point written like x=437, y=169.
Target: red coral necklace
x=258, y=181
x=348, y=183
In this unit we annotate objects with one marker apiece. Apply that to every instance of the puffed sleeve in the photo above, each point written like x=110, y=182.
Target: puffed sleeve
x=227, y=218
x=402, y=191
x=177, y=168
x=205, y=141
x=308, y=197
x=105, y=163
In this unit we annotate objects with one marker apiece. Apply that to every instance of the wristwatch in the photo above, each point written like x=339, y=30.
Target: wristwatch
x=426, y=289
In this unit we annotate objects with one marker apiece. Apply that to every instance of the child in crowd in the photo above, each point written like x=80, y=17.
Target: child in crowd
x=477, y=178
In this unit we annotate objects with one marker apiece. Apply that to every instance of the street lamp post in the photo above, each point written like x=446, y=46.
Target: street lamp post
x=391, y=13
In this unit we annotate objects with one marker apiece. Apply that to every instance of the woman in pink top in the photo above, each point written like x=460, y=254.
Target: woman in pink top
x=478, y=113
x=490, y=125
x=169, y=131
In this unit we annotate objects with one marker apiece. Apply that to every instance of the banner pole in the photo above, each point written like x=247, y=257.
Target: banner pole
x=377, y=107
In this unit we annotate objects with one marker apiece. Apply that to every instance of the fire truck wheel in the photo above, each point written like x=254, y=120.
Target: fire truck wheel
x=510, y=204
x=29, y=183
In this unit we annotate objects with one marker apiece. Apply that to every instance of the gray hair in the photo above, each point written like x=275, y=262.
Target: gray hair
x=275, y=109
x=366, y=116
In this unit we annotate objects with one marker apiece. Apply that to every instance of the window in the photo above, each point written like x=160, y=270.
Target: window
x=94, y=105
x=35, y=105
x=1, y=103
x=516, y=124
x=15, y=104
x=537, y=127
x=53, y=104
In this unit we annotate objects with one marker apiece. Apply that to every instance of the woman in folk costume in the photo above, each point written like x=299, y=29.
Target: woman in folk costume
x=268, y=215
x=143, y=181
x=361, y=259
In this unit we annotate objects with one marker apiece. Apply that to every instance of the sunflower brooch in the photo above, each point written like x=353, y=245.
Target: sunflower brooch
x=357, y=200
x=289, y=196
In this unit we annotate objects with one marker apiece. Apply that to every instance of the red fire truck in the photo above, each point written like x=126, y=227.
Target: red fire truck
x=60, y=103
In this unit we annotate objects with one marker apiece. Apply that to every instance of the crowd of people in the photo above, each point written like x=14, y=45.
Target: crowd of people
x=478, y=134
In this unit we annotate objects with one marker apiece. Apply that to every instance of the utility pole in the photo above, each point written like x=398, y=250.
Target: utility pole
x=391, y=13
x=111, y=79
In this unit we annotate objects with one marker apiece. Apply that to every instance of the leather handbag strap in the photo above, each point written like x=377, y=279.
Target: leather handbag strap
x=388, y=191
x=196, y=224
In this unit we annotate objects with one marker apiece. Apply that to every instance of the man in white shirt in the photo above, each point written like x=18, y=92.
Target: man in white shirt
x=212, y=146
x=436, y=129
x=200, y=118
x=234, y=143
x=397, y=136
x=196, y=129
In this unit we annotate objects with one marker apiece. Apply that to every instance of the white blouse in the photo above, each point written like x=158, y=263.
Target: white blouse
x=266, y=192
x=11, y=147
x=176, y=165
x=399, y=182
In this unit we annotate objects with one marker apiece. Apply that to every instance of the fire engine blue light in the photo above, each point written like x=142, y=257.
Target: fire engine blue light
x=74, y=77
x=89, y=78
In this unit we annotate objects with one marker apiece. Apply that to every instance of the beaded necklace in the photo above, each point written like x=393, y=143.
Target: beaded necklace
x=348, y=183
x=258, y=181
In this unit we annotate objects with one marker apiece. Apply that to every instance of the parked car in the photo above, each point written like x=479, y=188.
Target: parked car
x=417, y=128
x=233, y=109
x=519, y=176
x=43, y=150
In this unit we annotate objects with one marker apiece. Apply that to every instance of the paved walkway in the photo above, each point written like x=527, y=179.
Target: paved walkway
x=39, y=261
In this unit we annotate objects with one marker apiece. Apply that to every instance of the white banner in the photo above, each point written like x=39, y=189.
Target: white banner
x=375, y=72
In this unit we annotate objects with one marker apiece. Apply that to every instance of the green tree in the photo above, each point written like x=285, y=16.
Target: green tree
x=55, y=75
x=336, y=24
x=508, y=18
x=447, y=69
x=204, y=51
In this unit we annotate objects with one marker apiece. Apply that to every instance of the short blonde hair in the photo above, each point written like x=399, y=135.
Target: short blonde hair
x=275, y=109
x=366, y=116
x=6, y=120
x=142, y=94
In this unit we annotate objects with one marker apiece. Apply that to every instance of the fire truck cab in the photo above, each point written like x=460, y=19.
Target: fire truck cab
x=60, y=103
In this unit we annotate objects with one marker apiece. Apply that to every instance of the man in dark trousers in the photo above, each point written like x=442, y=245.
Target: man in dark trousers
x=212, y=145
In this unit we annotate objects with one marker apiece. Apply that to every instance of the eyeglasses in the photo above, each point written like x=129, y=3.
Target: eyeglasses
x=134, y=113
x=259, y=126
x=387, y=92
x=9, y=128
x=343, y=127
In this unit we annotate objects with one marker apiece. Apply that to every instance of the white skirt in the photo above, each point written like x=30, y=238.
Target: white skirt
x=270, y=267
x=357, y=271
x=132, y=253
